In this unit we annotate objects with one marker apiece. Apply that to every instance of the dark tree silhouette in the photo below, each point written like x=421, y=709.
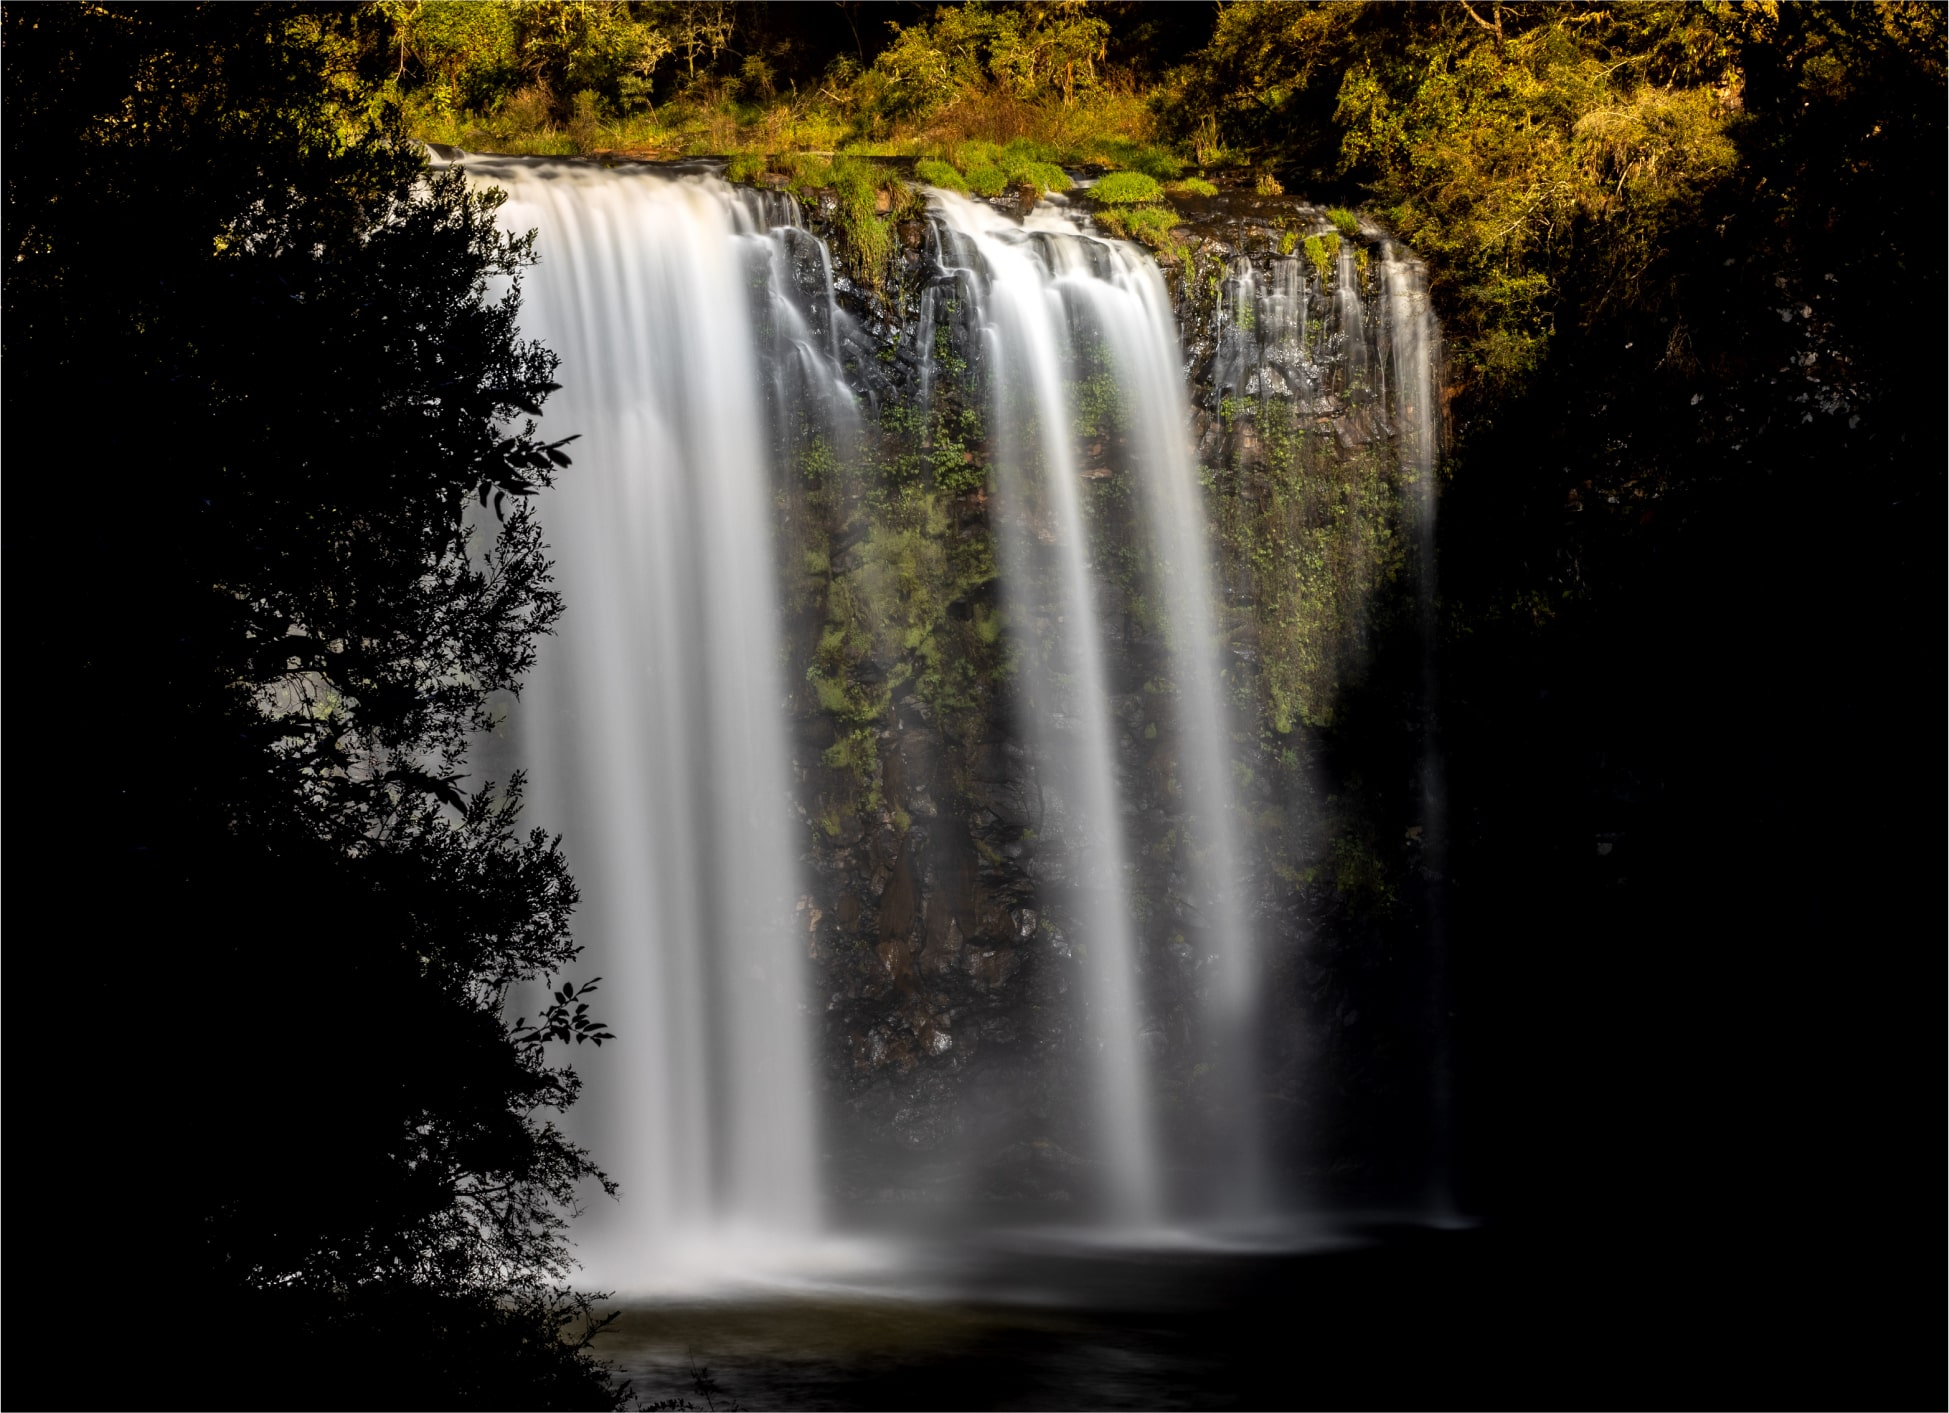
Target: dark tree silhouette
x=272, y=437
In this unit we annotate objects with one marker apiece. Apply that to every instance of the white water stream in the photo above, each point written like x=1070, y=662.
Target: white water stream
x=654, y=723
x=1056, y=302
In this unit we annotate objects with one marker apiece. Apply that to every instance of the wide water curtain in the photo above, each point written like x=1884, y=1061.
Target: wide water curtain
x=654, y=724
x=706, y=363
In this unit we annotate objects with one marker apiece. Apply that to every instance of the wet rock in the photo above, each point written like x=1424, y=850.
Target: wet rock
x=1034, y=1168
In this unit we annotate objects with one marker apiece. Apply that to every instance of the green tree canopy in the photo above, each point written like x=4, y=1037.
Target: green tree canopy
x=1548, y=157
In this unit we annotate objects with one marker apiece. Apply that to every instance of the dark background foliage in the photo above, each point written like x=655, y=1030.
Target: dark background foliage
x=1691, y=656
x=269, y=441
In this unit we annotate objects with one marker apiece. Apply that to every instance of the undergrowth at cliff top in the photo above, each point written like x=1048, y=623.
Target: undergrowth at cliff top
x=1547, y=158
x=679, y=80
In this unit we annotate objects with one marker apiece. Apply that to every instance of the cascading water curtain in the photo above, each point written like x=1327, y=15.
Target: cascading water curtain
x=1049, y=576
x=654, y=725
x=1052, y=302
x=698, y=328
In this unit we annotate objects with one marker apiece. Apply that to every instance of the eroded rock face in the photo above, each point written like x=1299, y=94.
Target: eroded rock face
x=938, y=920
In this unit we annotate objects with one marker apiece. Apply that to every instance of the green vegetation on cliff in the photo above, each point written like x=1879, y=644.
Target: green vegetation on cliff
x=560, y=77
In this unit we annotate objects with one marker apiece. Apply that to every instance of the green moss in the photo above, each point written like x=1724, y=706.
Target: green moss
x=1097, y=405
x=1318, y=539
x=1345, y=220
x=1360, y=876
x=1126, y=189
x=1194, y=186
x=1288, y=242
x=905, y=609
x=832, y=694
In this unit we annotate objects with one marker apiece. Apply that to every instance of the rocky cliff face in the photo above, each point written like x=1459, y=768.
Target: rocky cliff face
x=936, y=920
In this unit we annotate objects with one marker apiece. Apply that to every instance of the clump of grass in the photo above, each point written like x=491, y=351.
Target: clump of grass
x=1269, y=185
x=935, y=172
x=1193, y=186
x=1045, y=177
x=1323, y=251
x=1288, y=242
x=1152, y=225
x=864, y=233
x=1153, y=161
x=1348, y=223
x=804, y=171
x=986, y=181
x=1028, y=149
x=1126, y=189
x=987, y=169
x=977, y=152
x=746, y=167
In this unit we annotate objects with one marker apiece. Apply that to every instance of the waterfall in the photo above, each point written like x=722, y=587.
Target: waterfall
x=705, y=353
x=1029, y=365
x=1134, y=312
x=1413, y=355
x=1055, y=304
x=653, y=724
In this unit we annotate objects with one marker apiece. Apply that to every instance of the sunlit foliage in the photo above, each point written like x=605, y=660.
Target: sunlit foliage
x=1526, y=147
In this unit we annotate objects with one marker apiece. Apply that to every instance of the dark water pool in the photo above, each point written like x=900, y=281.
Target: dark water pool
x=1383, y=1317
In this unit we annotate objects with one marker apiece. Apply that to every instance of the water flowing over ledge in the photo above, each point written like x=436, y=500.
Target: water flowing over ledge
x=652, y=723
x=711, y=366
